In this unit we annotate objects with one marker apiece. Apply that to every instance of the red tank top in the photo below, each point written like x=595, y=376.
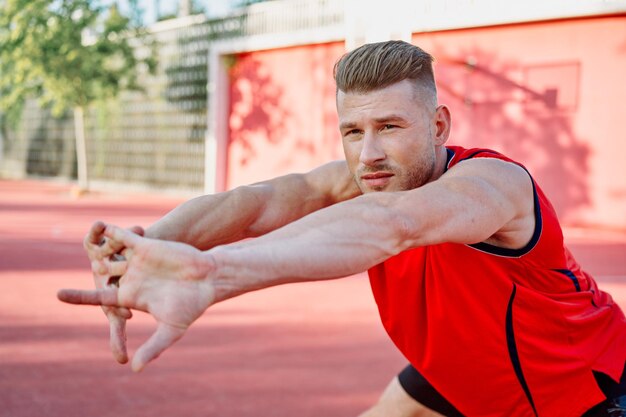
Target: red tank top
x=502, y=332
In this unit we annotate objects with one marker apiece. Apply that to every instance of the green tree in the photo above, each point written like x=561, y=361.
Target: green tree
x=67, y=54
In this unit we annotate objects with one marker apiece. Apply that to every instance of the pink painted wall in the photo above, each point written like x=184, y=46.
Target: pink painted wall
x=548, y=94
x=282, y=113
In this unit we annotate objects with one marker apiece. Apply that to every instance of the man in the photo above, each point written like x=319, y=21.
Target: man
x=464, y=252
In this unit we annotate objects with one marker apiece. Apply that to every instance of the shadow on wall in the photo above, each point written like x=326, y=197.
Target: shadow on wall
x=525, y=112
x=255, y=108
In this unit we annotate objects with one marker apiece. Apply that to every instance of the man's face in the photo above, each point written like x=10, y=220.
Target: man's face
x=388, y=137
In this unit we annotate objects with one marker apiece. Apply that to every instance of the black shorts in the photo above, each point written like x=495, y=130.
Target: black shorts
x=421, y=391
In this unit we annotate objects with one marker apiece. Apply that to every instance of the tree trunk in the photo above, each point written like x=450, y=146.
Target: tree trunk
x=184, y=8
x=81, y=149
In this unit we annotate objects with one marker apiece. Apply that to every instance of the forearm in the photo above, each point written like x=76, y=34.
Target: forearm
x=211, y=220
x=254, y=210
x=354, y=235
x=338, y=241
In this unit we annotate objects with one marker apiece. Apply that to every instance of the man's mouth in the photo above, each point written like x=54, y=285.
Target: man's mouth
x=376, y=179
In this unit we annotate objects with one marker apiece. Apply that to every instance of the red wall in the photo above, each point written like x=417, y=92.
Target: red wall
x=282, y=112
x=548, y=94
x=551, y=95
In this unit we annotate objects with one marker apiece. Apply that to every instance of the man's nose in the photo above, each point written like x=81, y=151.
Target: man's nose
x=371, y=152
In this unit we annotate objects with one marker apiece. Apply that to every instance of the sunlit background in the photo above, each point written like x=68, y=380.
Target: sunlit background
x=109, y=120
x=154, y=10
x=211, y=94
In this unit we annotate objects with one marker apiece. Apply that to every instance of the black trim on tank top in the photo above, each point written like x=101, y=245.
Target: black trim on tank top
x=495, y=250
x=449, y=157
x=513, y=353
x=571, y=276
x=516, y=253
x=450, y=154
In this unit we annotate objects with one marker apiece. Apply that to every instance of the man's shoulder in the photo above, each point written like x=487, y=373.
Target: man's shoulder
x=458, y=154
x=335, y=180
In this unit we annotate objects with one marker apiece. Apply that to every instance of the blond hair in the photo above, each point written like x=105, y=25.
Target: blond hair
x=378, y=65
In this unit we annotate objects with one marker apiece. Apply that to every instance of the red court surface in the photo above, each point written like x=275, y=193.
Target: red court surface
x=313, y=349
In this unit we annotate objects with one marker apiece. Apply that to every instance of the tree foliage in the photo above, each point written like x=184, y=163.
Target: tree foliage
x=66, y=53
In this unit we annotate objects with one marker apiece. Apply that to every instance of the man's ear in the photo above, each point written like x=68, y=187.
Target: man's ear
x=443, y=122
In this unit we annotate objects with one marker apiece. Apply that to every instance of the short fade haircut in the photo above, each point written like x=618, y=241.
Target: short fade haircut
x=378, y=65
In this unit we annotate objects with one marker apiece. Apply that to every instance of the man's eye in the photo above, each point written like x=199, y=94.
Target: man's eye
x=352, y=132
x=387, y=127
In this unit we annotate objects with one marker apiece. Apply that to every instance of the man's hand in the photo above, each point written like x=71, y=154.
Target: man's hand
x=166, y=279
x=98, y=249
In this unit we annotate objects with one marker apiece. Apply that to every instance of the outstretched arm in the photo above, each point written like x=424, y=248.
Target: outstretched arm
x=253, y=210
x=478, y=200
x=211, y=220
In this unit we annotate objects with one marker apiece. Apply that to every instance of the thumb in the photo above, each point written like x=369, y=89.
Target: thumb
x=164, y=337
